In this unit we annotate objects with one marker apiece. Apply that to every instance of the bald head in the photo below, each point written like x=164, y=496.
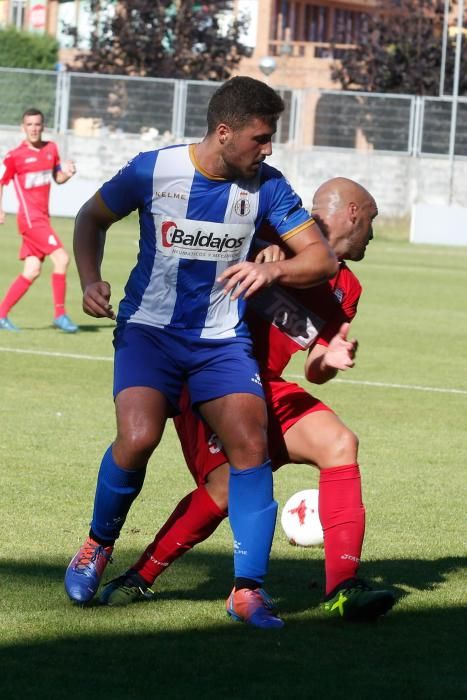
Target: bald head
x=345, y=212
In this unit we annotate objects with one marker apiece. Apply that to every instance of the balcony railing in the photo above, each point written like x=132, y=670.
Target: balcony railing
x=308, y=49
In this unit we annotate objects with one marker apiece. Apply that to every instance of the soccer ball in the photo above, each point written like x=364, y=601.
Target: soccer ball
x=300, y=519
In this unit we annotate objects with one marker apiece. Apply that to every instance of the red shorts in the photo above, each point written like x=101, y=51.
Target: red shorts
x=40, y=241
x=287, y=404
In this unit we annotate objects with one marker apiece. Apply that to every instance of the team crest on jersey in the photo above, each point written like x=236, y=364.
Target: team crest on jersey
x=339, y=294
x=242, y=205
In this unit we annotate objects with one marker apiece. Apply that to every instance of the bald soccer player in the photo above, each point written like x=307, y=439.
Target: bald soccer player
x=301, y=430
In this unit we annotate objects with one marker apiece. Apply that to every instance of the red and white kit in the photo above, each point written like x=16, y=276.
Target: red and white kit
x=32, y=170
x=281, y=324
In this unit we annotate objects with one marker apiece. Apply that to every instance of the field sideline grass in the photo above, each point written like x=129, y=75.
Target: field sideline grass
x=57, y=419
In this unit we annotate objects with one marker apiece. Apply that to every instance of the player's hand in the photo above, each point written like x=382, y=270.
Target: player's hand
x=273, y=253
x=341, y=351
x=2, y=216
x=96, y=300
x=68, y=168
x=245, y=278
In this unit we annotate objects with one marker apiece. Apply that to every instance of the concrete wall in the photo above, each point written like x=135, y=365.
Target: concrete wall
x=397, y=182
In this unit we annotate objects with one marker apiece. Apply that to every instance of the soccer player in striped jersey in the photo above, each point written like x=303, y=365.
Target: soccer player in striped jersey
x=181, y=320
x=32, y=166
x=301, y=428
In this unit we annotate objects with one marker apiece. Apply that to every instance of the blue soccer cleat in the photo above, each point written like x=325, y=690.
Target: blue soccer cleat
x=85, y=571
x=254, y=607
x=65, y=324
x=7, y=325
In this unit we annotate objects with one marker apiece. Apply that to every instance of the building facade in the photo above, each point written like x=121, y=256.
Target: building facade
x=297, y=39
x=301, y=39
x=294, y=43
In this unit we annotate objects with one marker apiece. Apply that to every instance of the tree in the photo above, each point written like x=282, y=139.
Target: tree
x=21, y=90
x=169, y=39
x=25, y=50
x=400, y=51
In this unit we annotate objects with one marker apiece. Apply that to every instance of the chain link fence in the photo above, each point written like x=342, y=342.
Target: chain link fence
x=93, y=105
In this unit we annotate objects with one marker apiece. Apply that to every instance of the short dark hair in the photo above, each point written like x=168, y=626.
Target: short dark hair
x=33, y=113
x=241, y=99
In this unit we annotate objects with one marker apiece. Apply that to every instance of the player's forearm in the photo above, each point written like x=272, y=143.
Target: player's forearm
x=88, y=246
x=64, y=172
x=313, y=265
x=317, y=370
x=92, y=222
x=61, y=178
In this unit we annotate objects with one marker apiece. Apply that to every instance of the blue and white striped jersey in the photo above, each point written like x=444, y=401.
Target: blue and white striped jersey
x=192, y=227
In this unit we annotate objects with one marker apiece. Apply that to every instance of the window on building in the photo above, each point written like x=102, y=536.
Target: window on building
x=322, y=23
x=18, y=13
x=348, y=26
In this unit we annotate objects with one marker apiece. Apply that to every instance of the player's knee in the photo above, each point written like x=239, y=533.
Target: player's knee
x=343, y=448
x=244, y=434
x=248, y=449
x=346, y=445
x=61, y=260
x=136, y=445
x=32, y=272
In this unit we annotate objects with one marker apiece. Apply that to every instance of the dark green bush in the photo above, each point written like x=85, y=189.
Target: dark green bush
x=26, y=50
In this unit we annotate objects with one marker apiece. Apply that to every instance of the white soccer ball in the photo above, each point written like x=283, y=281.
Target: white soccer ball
x=300, y=520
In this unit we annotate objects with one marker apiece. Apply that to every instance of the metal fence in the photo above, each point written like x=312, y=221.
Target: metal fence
x=91, y=104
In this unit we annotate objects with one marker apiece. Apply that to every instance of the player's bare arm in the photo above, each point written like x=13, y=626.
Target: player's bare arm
x=273, y=253
x=313, y=263
x=66, y=171
x=92, y=222
x=323, y=363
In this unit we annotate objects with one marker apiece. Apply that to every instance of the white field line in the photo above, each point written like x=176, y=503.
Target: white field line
x=387, y=385
x=384, y=385
x=65, y=355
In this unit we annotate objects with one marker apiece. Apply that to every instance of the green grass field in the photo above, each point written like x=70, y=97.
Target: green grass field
x=406, y=399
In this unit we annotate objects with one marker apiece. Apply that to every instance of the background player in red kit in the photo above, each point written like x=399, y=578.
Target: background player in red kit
x=301, y=428
x=31, y=166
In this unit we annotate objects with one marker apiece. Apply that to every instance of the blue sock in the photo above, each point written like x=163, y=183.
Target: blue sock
x=116, y=490
x=252, y=515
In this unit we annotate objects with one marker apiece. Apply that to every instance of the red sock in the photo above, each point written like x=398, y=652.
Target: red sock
x=193, y=520
x=58, y=293
x=17, y=289
x=342, y=516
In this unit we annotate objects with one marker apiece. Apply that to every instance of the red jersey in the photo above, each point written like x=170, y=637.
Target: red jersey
x=31, y=170
x=284, y=321
x=297, y=320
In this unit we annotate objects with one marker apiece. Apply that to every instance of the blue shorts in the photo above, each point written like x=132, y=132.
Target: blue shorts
x=166, y=359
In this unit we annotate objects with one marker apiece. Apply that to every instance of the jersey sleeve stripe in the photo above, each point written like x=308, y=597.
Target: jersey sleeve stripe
x=297, y=229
